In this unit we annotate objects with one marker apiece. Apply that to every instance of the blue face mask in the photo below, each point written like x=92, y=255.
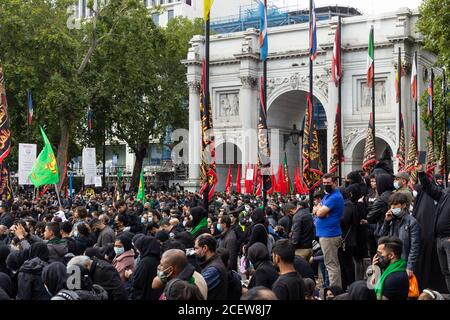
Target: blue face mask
x=219, y=227
x=119, y=251
x=396, y=211
x=143, y=221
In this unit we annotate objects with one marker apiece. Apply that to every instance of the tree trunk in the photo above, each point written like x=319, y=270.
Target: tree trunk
x=63, y=148
x=140, y=155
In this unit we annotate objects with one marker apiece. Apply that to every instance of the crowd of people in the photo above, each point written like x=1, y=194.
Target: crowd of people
x=372, y=238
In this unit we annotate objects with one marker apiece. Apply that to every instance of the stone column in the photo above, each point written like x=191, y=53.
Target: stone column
x=194, y=130
x=247, y=102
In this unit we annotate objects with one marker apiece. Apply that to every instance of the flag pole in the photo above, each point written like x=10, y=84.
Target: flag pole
x=264, y=184
x=445, y=123
x=399, y=88
x=373, y=92
x=339, y=102
x=432, y=107
x=416, y=120
x=311, y=191
x=206, y=107
x=57, y=193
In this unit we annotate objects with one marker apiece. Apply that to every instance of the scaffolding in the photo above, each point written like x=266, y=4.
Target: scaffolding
x=248, y=17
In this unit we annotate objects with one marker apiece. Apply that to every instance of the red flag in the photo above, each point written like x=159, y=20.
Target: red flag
x=228, y=182
x=414, y=78
x=238, y=179
x=273, y=187
x=258, y=182
x=281, y=180
x=336, y=68
x=255, y=178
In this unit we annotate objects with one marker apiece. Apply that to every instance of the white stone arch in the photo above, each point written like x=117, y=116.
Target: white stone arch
x=285, y=87
x=350, y=149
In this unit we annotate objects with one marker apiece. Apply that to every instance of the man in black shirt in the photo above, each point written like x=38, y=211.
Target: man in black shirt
x=394, y=281
x=289, y=285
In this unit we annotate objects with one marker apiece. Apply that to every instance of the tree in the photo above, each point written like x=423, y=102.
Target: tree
x=141, y=81
x=438, y=108
x=434, y=24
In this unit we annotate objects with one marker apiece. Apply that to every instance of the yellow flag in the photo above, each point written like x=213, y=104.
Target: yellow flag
x=207, y=4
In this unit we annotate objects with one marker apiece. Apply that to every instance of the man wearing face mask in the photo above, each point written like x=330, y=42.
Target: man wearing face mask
x=400, y=224
x=401, y=186
x=328, y=227
x=393, y=283
x=213, y=270
x=227, y=240
x=174, y=265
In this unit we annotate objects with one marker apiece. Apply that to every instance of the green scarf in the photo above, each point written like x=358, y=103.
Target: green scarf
x=397, y=266
x=201, y=224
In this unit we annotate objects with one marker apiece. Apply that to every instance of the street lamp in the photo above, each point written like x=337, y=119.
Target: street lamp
x=294, y=135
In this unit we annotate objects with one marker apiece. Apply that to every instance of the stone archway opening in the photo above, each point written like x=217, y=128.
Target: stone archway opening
x=288, y=110
x=381, y=146
x=227, y=154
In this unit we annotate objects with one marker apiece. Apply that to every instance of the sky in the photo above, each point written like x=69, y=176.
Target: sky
x=366, y=6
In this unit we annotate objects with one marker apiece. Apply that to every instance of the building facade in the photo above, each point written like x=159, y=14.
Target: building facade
x=235, y=68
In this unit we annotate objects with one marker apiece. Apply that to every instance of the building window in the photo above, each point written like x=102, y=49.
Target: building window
x=155, y=18
x=170, y=14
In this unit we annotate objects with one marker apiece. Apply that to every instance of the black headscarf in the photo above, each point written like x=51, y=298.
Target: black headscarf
x=6, y=284
x=258, y=216
x=385, y=182
x=40, y=250
x=148, y=246
x=14, y=261
x=259, y=234
x=258, y=253
x=54, y=277
x=358, y=291
x=198, y=213
x=354, y=192
x=355, y=177
x=126, y=242
x=94, y=252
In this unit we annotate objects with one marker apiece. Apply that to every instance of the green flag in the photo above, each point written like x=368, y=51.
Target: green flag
x=45, y=169
x=141, y=193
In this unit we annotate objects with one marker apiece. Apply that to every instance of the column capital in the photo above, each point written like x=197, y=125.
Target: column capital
x=248, y=82
x=194, y=86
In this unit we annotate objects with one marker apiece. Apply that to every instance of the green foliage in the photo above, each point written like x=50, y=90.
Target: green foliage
x=122, y=66
x=434, y=24
x=438, y=103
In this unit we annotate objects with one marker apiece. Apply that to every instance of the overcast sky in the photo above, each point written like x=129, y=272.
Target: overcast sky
x=366, y=6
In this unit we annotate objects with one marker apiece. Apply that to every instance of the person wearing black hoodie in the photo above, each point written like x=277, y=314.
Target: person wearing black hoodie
x=385, y=187
x=428, y=272
x=149, y=253
x=441, y=222
x=349, y=224
x=199, y=221
x=54, y=277
x=29, y=279
x=265, y=273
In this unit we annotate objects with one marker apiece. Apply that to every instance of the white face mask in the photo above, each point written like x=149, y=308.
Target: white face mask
x=415, y=193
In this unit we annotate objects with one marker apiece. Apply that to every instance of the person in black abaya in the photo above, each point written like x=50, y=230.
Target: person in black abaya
x=428, y=272
x=149, y=253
